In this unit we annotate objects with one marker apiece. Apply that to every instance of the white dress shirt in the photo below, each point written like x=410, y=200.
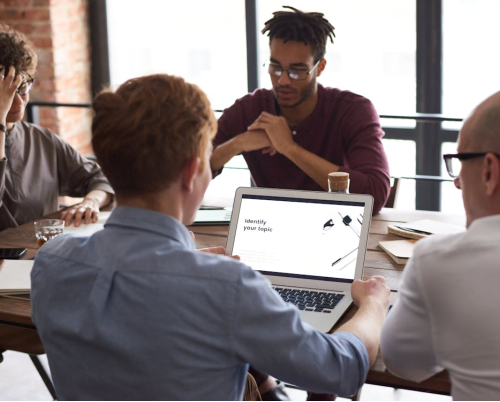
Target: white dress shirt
x=448, y=313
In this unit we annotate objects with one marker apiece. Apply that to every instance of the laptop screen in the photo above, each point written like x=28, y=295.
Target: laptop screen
x=299, y=237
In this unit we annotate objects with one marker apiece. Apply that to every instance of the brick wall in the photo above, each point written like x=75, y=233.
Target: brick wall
x=59, y=30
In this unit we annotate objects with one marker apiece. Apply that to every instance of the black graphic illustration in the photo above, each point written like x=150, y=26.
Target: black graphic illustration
x=328, y=225
x=347, y=221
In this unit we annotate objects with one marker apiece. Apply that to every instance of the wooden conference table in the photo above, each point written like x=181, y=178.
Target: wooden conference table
x=18, y=333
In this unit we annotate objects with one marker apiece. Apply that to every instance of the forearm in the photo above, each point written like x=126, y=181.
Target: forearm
x=224, y=152
x=2, y=145
x=100, y=197
x=313, y=165
x=367, y=325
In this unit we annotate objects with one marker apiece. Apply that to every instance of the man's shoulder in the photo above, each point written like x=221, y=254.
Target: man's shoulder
x=257, y=97
x=62, y=246
x=34, y=132
x=81, y=249
x=441, y=253
x=330, y=94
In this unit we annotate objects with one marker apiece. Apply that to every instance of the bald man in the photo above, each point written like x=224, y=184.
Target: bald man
x=446, y=317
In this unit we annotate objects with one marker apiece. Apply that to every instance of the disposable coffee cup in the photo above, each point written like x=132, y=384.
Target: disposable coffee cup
x=47, y=229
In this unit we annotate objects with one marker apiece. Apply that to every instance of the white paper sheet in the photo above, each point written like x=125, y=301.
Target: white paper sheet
x=15, y=276
x=91, y=228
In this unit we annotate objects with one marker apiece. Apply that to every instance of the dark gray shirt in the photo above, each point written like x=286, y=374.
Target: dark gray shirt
x=39, y=167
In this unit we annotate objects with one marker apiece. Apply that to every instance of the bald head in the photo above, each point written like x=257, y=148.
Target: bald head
x=481, y=130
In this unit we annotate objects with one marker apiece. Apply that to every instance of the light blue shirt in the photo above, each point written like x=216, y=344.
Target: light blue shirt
x=134, y=312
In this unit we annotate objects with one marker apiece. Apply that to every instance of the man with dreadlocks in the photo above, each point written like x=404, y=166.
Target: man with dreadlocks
x=297, y=133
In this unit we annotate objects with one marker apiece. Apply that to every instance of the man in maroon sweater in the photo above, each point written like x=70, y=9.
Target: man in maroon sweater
x=295, y=134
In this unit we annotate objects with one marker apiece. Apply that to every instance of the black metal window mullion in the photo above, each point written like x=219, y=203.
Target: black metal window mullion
x=98, y=24
x=252, y=35
x=429, y=100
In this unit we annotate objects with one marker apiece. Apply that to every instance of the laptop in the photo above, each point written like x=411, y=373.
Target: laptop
x=311, y=245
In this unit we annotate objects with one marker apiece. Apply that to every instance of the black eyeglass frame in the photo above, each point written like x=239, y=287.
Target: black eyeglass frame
x=280, y=70
x=463, y=156
x=30, y=80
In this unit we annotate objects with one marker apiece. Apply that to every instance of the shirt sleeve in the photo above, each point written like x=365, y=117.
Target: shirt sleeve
x=77, y=175
x=366, y=159
x=270, y=335
x=229, y=125
x=407, y=343
x=3, y=167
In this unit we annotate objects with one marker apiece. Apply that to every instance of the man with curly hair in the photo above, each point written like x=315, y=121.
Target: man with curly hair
x=295, y=134
x=36, y=165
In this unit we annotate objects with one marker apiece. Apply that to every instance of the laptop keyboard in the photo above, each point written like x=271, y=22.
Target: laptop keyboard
x=310, y=300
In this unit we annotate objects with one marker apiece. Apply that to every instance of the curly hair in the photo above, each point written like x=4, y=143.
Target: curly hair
x=17, y=51
x=144, y=133
x=299, y=26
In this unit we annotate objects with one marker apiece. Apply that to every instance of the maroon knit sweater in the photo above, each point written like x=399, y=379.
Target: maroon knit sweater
x=344, y=129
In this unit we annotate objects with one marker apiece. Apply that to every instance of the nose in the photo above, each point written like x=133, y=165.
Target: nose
x=284, y=79
x=18, y=100
x=456, y=181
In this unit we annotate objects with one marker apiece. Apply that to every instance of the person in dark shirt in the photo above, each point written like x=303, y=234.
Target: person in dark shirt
x=295, y=134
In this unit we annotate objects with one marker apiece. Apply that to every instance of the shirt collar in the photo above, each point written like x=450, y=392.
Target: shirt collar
x=150, y=221
x=483, y=223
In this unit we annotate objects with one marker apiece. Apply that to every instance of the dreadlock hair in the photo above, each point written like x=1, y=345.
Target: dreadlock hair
x=299, y=26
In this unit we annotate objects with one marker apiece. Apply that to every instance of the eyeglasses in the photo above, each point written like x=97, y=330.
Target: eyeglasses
x=453, y=162
x=26, y=85
x=295, y=74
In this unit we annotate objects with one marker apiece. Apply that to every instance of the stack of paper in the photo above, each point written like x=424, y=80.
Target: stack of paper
x=423, y=228
x=15, y=276
x=399, y=250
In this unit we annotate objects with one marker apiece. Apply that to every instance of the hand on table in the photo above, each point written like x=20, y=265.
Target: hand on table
x=86, y=212
x=213, y=250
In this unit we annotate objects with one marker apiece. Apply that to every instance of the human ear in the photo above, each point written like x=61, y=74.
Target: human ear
x=321, y=67
x=491, y=173
x=189, y=173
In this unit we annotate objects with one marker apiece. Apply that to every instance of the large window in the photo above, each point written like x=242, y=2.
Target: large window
x=202, y=41
x=471, y=60
x=406, y=56
x=373, y=53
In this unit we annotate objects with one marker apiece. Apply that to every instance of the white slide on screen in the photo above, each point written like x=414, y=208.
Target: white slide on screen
x=299, y=238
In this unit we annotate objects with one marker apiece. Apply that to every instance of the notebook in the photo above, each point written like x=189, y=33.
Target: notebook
x=212, y=216
x=15, y=276
x=399, y=250
x=424, y=228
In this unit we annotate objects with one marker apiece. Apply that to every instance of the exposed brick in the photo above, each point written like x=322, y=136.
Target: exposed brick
x=20, y=3
x=59, y=30
x=42, y=43
x=37, y=14
x=41, y=29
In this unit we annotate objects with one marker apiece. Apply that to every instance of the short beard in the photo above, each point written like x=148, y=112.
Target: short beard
x=308, y=91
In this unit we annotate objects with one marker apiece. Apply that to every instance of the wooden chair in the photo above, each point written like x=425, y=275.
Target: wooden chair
x=391, y=201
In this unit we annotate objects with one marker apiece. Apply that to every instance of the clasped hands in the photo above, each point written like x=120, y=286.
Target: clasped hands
x=269, y=133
